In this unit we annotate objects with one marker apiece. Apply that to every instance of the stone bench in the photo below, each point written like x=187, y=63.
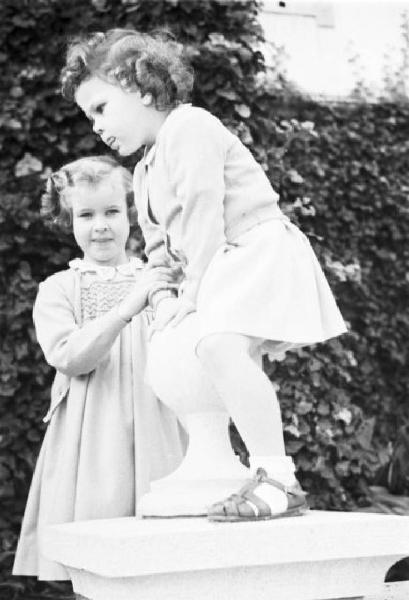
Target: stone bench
x=322, y=555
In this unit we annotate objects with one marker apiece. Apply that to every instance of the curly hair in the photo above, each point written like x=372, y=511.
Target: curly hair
x=92, y=171
x=150, y=63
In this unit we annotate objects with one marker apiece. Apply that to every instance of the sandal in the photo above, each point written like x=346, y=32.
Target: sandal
x=247, y=506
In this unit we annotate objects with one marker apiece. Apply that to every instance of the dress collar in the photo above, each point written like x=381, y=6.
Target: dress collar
x=149, y=153
x=107, y=272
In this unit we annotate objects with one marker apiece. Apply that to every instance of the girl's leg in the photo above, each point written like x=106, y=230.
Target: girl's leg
x=252, y=403
x=245, y=390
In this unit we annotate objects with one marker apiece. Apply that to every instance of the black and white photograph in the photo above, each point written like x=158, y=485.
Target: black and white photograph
x=204, y=300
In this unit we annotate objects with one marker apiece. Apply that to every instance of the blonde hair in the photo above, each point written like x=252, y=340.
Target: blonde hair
x=150, y=63
x=92, y=171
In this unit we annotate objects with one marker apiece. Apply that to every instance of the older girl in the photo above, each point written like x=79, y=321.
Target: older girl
x=204, y=202
x=108, y=436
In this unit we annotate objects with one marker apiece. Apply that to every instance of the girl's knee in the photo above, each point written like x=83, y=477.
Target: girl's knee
x=221, y=348
x=207, y=346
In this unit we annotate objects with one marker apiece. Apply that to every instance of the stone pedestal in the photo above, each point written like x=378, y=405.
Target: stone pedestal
x=318, y=556
x=210, y=471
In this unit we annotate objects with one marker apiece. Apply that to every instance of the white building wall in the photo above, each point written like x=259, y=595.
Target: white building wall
x=321, y=38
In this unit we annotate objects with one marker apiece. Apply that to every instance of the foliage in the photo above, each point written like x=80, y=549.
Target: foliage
x=343, y=176
x=347, y=186
x=396, y=80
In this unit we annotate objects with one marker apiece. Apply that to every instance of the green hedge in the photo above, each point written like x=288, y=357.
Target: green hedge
x=348, y=186
x=343, y=176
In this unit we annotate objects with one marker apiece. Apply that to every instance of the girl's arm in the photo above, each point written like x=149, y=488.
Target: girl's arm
x=67, y=347
x=195, y=154
x=154, y=243
x=75, y=350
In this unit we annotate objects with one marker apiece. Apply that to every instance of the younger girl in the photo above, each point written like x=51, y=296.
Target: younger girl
x=108, y=436
x=204, y=202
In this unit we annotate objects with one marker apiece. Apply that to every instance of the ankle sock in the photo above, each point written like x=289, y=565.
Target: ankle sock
x=280, y=468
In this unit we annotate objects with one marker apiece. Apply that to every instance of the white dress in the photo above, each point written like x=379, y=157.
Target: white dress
x=108, y=435
x=269, y=285
x=204, y=202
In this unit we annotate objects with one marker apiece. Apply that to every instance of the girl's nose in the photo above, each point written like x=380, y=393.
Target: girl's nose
x=97, y=126
x=100, y=225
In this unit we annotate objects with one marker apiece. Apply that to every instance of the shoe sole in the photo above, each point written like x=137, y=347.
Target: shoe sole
x=294, y=512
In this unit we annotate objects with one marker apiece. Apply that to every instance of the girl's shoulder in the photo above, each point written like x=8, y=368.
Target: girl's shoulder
x=193, y=122
x=62, y=282
x=57, y=288
x=60, y=278
x=194, y=115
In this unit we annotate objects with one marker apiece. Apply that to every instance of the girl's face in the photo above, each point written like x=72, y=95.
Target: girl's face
x=100, y=223
x=124, y=120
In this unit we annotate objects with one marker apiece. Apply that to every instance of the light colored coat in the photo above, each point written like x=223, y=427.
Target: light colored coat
x=108, y=435
x=197, y=189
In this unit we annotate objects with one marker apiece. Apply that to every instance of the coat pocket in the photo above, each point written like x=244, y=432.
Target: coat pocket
x=59, y=391
x=229, y=246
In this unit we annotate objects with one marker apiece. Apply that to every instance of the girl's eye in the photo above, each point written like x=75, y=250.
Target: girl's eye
x=85, y=215
x=113, y=211
x=98, y=109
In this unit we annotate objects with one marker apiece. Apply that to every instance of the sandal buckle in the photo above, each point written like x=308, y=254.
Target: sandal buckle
x=261, y=475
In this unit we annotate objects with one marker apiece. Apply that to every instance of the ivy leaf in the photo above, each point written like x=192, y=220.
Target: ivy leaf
x=243, y=110
x=28, y=165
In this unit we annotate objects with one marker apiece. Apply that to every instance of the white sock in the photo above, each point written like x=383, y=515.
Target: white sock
x=280, y=468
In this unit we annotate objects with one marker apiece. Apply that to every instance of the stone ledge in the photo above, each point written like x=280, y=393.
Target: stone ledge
x=321, y=555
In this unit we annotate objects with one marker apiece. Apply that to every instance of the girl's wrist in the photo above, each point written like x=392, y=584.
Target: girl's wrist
x=165, y=295
x=156, y=295
x=121, y=314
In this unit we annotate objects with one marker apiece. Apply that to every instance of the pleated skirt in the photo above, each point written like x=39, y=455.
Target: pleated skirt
x=268, y=284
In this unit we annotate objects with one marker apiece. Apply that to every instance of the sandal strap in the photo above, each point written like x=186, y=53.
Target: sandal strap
x=246, y=503
x=238, y=505
x=262, y=508
x=260, y=477
x=293, y=490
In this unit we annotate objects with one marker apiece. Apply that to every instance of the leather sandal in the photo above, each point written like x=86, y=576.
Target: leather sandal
x=247, y=506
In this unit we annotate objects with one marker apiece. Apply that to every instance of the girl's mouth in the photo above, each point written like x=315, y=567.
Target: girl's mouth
x=112, y=143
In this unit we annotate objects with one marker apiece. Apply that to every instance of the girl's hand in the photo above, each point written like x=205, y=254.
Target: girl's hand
x=170, y=312
x=151, y=280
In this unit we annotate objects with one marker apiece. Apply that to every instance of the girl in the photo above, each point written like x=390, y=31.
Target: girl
x=203, y=201
x=108, y=436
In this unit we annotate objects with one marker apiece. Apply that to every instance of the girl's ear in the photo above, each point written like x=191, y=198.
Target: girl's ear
x=147, y=99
